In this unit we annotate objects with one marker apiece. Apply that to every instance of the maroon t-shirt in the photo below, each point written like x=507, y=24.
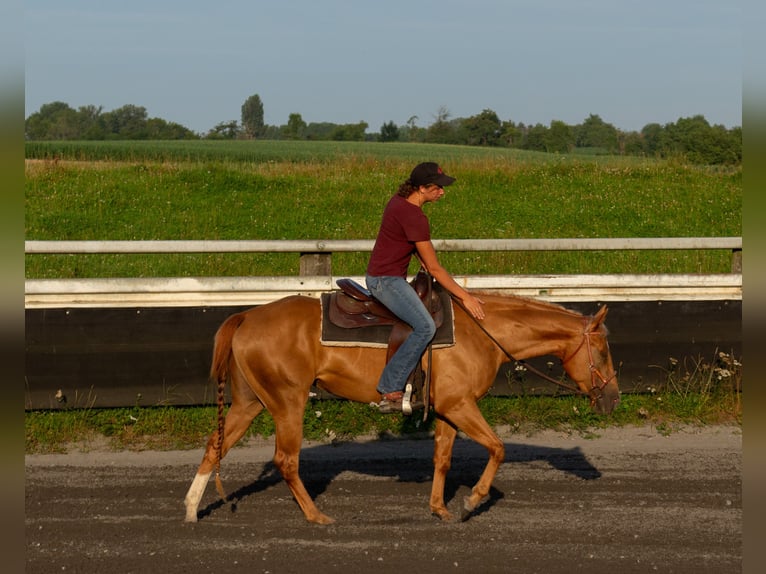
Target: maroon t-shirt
x=403, y=224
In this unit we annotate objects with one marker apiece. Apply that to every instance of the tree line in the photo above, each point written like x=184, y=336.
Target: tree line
x=691, y=138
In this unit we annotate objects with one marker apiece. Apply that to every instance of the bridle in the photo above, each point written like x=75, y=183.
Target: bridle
x=596, y=390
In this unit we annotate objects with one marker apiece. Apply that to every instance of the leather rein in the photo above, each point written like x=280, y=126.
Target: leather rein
x=596, y=391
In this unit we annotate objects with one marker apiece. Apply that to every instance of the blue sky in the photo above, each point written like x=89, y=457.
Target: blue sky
x=632, y=62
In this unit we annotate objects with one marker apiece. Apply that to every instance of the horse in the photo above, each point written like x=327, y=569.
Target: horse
x=272, y=354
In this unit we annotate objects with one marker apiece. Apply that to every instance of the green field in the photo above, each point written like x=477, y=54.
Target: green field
x=337, y=190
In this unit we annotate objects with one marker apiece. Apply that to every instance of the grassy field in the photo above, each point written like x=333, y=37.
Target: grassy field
x=267, y=151
x=327, y=190
x=337, y=190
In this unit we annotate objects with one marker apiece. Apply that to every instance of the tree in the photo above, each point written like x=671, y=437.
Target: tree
x=54, y=121
x=159, y=129
x=595, y=133
x=252, y=117
x=126, y=123
x=730, y=144
x=631, y=143
x=559, y=138
x=411, y=132
x=535, y=138
x=295, y=127
x=699, y=142
x=441, y=131
x=694, y=140
x=652, y=136
x=349, y=132
x=483, y=129
x=389, y=132
x=511, y=134
x=320, y=130
x=224, y=131
x=90, y=123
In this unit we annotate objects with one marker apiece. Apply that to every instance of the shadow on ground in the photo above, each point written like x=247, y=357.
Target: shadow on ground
x=321, y=464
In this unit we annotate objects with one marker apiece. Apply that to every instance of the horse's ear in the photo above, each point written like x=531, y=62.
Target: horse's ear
x=597, y=319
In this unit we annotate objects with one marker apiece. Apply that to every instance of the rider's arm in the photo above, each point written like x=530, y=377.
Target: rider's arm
x=430, y=261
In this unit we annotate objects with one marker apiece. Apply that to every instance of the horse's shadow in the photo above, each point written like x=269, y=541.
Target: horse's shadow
x=407, y=461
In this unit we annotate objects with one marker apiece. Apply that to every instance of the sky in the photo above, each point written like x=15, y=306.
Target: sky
x=631, y=62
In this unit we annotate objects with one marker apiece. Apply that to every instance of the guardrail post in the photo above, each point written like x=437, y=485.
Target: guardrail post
x=316, y=264
x=736, y=261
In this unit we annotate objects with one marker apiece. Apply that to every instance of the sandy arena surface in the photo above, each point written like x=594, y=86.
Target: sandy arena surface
x=628, y=500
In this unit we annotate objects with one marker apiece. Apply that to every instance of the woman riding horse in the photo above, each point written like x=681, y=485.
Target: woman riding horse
x=404, y=231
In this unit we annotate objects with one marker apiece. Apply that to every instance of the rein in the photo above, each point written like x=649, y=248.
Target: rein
x=596, y=390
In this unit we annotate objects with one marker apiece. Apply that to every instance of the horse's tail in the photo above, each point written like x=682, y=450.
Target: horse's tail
x=220, y=373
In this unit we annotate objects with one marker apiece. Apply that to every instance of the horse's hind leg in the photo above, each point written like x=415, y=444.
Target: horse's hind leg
x=289, y=436
x=238, y=420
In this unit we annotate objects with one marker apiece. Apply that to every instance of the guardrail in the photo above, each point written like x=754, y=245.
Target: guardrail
x=316, y=275
x=327, y=247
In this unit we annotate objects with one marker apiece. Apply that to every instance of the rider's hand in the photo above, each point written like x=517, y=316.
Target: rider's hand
x=474, y=305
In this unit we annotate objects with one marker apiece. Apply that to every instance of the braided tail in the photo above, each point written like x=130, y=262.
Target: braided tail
x=220, y=373
x=219, y=446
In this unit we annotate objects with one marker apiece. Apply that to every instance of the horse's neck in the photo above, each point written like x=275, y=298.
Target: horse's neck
x=530, y=328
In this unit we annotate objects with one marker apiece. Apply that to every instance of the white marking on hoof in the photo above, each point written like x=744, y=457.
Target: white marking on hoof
x=194, y=495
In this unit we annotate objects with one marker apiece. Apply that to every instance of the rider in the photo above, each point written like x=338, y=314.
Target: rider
x=404, y=231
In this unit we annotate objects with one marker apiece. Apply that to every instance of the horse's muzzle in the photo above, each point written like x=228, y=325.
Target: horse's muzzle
x=605, y=400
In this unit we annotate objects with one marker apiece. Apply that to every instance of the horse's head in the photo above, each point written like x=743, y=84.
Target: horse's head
x=589, y=363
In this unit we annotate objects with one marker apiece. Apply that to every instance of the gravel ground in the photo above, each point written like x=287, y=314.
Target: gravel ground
x=627, y=500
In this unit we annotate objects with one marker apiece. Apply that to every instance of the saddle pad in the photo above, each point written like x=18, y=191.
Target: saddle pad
x=377, y=335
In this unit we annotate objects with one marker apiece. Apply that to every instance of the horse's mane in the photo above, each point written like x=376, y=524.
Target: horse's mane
x=526, y=303
x=518, y=305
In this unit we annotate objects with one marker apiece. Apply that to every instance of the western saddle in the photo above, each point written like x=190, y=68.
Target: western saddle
x=354, y=306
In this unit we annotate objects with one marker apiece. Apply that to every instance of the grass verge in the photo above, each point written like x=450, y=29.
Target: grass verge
x=181, y=428
x=694, y=392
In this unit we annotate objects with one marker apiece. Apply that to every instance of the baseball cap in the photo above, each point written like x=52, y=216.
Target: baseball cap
x=429, y=173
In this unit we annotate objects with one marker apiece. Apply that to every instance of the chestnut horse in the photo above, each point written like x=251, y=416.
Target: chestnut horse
x=272, y=355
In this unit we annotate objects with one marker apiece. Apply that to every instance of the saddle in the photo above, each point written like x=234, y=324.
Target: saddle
x=354, y=306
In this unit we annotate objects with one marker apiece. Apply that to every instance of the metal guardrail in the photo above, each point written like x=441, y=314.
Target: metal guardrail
x=329, y=246
x=316, y=277
x=218, y=291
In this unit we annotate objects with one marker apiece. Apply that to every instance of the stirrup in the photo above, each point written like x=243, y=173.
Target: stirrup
x=407, y=399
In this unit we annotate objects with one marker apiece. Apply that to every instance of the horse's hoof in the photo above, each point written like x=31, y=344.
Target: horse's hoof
x=442, y=515
x=322, y=519
x=191, y=513
x=468, y=509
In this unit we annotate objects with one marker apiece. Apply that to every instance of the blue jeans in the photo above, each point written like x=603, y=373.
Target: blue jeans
x=399, y=296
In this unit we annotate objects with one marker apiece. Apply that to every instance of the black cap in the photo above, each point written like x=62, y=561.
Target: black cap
x=427, y=173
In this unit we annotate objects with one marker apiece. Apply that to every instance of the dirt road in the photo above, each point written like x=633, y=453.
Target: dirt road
x=629, y=500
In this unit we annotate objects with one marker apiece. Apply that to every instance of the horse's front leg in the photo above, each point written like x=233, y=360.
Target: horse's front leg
x=469, y=419
x=444, y=439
